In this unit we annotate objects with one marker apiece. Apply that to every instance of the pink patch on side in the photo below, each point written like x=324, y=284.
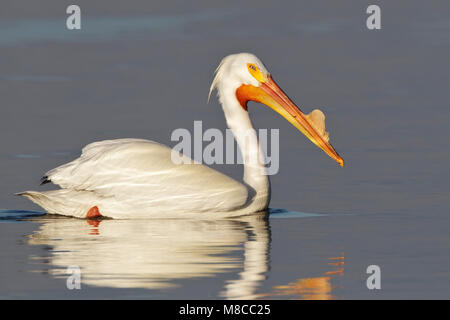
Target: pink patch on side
x=93, y=213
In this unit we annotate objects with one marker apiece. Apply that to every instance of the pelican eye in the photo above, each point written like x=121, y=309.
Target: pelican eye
x=255, y=72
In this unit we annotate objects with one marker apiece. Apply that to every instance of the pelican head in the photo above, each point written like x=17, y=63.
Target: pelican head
x=244, y=77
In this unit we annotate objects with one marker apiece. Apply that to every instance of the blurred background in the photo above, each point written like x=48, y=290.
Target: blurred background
x=143, y=68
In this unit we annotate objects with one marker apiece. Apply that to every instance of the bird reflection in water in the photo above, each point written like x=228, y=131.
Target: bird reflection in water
x=318, y=288
x=154, y=254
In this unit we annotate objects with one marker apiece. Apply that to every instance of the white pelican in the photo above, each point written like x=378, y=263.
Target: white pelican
x=135, y=178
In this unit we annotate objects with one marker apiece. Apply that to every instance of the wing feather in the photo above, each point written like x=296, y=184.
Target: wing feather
x=142, y=171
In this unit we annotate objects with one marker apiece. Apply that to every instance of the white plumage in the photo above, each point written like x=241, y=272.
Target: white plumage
x=136, y=178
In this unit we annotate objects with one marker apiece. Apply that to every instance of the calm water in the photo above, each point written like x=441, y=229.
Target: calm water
x=145, y=70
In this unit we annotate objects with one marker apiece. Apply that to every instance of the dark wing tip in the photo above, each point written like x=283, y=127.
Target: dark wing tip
x=45, y=180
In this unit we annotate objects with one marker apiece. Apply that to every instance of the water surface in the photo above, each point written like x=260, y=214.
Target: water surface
x=144, y=70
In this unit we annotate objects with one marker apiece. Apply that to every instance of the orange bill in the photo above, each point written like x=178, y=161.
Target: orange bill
x=311, y=125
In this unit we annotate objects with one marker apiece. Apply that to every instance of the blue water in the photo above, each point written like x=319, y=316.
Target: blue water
x=18, y=215
x=144, y=70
